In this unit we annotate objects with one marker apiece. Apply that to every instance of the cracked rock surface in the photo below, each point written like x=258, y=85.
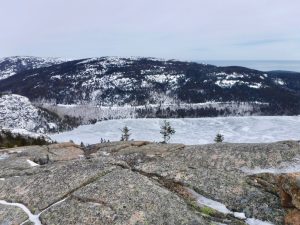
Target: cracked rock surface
x=142, y=182
x=11, y=215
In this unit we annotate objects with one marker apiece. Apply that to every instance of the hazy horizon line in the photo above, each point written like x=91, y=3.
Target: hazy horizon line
x=155, y=57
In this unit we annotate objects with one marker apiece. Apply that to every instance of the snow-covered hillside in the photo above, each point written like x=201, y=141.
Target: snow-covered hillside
x=256, y=129
x=116, y=81
x=92, y=112
x=17, y=112
x=10, y=66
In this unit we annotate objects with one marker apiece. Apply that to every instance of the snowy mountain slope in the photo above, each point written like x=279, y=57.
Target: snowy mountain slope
x=290, y=80
x=10, y=66
x=111, y=81
x=17, y=112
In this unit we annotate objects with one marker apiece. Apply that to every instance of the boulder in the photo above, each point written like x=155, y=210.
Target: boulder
x=289, y=191
x=289, y=185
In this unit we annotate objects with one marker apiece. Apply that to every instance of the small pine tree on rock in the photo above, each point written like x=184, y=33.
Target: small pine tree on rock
x=125, y=134
x=219, y=138
x=167, y=131
x=82, y=145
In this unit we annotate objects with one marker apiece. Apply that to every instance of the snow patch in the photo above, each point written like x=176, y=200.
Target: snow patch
x=33, y=218
x=213, y=204
x=279, y=81
x=231, y=83
x=226, y=83
x=31, y=163
x=252, y=221
x=285, y=167
x=58, y=77
x=201, y=200
x=255, y=85
x=239, y=215
x=52, y=125
x=3, y=156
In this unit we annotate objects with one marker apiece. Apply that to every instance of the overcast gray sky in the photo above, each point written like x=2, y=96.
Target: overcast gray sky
x=181, y=29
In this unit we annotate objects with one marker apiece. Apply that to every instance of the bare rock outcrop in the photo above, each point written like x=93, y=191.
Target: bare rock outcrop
x=150, y=183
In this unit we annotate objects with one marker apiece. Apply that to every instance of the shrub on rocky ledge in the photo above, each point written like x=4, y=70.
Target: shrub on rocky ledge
x=11, y=140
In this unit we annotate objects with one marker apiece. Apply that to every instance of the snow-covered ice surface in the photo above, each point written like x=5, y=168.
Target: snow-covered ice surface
x=256, y=129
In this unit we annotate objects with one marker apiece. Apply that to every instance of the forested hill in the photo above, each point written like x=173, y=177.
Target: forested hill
x=111, y=81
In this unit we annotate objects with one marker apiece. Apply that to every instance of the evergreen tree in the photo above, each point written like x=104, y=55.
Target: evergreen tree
x=219, y=138
x=82, y=145
x=167, y=131
x=125, y=134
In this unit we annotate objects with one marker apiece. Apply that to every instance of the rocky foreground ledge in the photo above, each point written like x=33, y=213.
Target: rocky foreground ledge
x=150, y=183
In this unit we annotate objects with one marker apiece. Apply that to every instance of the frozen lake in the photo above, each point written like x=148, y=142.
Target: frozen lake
x=192, y=131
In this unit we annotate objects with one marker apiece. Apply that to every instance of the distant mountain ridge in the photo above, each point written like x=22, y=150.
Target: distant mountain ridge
x=111, y=81
x=262, y=65
x=10, y=66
